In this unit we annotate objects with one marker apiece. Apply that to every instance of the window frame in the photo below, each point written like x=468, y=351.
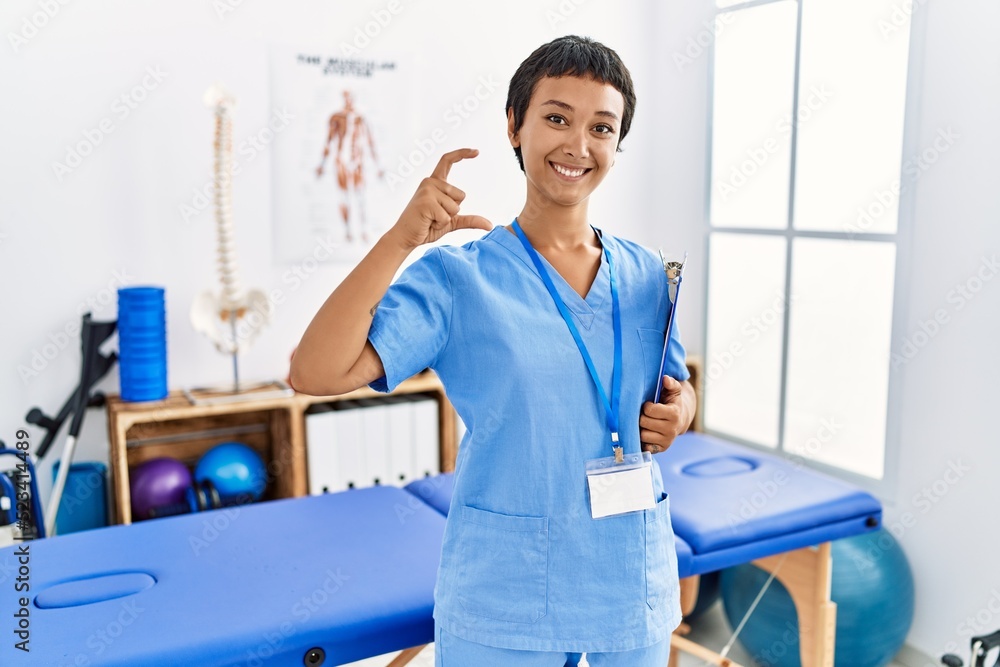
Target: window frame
x=887, y=485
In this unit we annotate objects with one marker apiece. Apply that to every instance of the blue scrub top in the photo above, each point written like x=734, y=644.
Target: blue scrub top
x=523, y=564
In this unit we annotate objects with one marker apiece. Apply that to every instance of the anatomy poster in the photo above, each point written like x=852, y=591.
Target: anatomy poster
x=351, y=119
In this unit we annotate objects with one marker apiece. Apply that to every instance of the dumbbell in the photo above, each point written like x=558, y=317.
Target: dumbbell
x=200, y=497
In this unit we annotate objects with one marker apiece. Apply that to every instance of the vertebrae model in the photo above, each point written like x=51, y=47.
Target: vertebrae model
x=234, y=318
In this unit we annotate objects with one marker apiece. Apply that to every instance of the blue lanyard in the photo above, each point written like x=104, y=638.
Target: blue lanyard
x=610, y=407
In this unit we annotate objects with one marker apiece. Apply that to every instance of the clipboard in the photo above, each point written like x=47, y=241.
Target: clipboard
x=674, y=271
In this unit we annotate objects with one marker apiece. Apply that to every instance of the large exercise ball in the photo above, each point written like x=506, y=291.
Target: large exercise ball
x=157, y=483
x=708, y=594
x=872, y=585
x=236, y=470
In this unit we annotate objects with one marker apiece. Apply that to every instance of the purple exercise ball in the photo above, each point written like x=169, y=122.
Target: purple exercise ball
x=156, y=483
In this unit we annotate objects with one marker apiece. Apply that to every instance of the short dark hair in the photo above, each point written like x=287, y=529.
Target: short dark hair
x=569, y=56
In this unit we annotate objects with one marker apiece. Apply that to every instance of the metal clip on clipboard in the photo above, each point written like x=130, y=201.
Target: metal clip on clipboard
x=674, y=271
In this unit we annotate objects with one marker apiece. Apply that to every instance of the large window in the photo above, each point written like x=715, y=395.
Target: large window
x=808, y=101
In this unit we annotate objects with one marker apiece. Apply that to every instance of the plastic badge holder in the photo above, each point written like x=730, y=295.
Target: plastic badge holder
x=620, y=488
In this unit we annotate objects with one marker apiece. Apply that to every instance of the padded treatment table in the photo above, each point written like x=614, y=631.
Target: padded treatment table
x=352, y=573
x=731, y=504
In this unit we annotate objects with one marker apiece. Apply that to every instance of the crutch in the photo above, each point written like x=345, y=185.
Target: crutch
x=95, y=366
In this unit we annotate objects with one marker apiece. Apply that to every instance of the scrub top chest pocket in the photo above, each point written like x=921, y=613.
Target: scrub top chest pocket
x=661, y=554
x=510, y=552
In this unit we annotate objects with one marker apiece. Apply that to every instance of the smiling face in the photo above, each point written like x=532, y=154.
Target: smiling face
x=568, y=138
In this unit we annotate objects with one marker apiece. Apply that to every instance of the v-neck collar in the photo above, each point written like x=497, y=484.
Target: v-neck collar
x=584, y=308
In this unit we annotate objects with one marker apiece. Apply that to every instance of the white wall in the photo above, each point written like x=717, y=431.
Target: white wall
x=950, y=393
x=66, y=243
x=677, y=169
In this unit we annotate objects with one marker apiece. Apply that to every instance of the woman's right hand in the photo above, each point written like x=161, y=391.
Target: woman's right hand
x=433, y=210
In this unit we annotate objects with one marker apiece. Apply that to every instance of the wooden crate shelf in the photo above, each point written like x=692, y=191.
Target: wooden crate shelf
x=274, y=427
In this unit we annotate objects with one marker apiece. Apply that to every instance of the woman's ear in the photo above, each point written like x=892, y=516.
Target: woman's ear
x=515, y=141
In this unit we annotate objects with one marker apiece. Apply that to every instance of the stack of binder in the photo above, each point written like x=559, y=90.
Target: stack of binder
x=368, y=442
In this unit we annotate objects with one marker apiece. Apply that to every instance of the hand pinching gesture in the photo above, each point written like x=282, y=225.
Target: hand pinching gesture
x=434, y=209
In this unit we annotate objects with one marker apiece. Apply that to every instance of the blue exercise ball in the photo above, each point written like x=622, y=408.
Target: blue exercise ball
x=872, y=585
x=236, y=470
x=708, y=594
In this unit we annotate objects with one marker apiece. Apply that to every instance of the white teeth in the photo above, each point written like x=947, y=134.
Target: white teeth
x=572, y=173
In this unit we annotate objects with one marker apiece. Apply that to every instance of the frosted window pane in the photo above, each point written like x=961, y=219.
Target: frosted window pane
x=751, y=116
x=852, y=89
x=746, y=306
x=838, y=353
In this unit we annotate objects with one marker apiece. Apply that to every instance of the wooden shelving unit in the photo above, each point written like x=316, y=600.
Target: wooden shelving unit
x=274, y=427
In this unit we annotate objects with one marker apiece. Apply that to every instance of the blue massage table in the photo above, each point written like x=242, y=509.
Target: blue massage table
x=327, y=580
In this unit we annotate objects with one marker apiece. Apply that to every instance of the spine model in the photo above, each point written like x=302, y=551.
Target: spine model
x=229, y=269
x=233, y=318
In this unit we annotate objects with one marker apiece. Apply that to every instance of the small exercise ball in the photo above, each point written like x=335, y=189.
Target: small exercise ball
x=872, y=585
x=157, y=483
x=236, y=470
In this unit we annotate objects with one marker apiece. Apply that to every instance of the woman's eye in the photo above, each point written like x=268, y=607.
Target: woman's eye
x=556, y=119
x=605, y=129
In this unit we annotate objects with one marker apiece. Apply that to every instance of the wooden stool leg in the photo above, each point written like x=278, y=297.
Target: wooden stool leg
x=406, y=656
x=689, y=593
x=675, y=658
x=806, y=575
x=689, y=597
x=697, y=650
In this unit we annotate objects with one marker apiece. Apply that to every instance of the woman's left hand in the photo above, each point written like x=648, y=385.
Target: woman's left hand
x=660, y=423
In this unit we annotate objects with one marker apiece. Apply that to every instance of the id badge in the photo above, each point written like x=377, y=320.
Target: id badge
x=620, y=488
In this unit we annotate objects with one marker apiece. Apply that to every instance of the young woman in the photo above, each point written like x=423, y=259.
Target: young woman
x=547, y=335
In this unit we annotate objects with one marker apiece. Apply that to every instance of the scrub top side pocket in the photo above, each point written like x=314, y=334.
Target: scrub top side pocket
x=502, y=565
x=661, y=555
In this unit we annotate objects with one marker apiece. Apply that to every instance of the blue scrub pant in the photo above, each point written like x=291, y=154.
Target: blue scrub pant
x=452, y=651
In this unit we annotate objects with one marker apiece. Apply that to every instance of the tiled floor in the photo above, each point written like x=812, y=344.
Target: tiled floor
x=711, y=631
